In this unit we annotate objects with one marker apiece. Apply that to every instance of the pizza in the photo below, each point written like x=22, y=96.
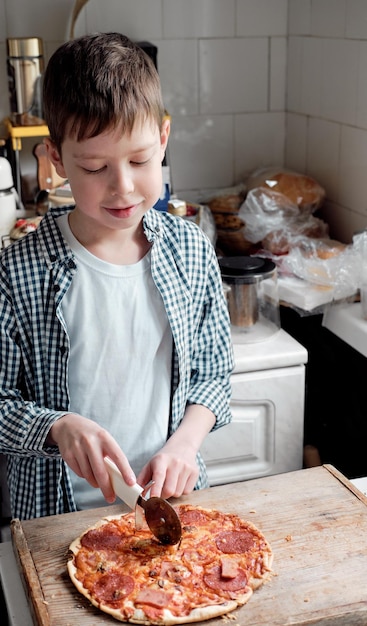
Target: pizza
x=218, y=563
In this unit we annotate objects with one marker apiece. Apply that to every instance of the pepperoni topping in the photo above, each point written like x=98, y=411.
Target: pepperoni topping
x=234, y=541
x=193, y=518
x=96, y=539
x=214, y=580
x=112, y=587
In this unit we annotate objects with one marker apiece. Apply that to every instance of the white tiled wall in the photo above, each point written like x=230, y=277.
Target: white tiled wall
x=223, y=69
x=326, y=105
x=248, y=83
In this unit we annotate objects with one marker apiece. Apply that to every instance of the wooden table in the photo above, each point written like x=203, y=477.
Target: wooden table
x=314, y=519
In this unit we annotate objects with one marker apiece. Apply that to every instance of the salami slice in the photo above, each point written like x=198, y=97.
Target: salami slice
x=234, y=541
x=96, y=540
x=112, y=587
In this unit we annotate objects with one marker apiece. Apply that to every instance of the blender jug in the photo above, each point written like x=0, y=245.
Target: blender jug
x=252, y=297
x=25, y=67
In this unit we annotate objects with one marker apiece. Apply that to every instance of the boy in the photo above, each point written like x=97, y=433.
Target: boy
x=115, y=337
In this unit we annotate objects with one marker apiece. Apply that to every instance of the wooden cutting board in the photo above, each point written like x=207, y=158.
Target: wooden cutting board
x=314, y=519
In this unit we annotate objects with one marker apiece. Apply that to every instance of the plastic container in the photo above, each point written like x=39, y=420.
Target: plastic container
x=251, y=288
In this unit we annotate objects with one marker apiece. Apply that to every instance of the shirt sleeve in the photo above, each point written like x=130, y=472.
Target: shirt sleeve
x=24, y=423
x=212, y=360
x=187, y=274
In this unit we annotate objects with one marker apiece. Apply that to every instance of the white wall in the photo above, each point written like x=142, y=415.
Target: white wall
x=327, y=105
x=222, y=65
x=248, y=83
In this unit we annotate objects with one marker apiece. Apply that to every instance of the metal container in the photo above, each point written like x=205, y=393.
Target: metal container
x=25, y=67
x=251, y=288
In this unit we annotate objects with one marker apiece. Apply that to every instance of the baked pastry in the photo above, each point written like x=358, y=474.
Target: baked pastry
x=303, y=191
x=228, y=221
x=226, y=204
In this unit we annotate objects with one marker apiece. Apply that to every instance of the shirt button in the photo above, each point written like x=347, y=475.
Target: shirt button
x=53, y=258
x=56, y=288
x=157, y=229
x=71, y=264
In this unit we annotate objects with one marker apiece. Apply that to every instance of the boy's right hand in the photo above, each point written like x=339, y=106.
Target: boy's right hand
x=83, y=444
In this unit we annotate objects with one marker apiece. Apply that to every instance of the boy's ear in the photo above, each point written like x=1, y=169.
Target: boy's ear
x=54, y=156
x=165, y=131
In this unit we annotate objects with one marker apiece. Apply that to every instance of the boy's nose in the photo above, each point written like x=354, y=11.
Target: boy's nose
x=122, y=182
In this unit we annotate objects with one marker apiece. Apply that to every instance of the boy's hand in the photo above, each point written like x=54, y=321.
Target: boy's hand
x=174, y=469
x=83, y=444
x=174, y=473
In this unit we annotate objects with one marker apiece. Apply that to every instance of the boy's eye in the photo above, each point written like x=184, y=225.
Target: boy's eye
x=139, y=162
x=100, y=169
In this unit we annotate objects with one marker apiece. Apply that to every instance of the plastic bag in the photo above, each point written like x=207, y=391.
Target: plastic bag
x=296, y=233
x=280, y=201
x=265, y=214
x=202, y=216
x=300, y=190
x=326, y=263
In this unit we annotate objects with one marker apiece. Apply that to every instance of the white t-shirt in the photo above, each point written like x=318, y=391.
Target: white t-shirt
x=120, y=359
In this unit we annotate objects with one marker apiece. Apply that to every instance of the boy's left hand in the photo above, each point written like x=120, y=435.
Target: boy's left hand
x=173, y=475
x=174, y=469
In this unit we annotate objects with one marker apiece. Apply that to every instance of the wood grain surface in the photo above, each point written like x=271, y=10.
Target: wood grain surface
x=314, y=519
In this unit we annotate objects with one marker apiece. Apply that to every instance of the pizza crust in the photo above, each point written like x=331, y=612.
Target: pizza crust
x=166, y=617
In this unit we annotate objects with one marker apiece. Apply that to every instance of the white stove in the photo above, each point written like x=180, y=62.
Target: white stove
x=268, y=392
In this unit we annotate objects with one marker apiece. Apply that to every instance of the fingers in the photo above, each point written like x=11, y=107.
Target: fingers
x=83, y=444
x=178, y=485
x=172, y=476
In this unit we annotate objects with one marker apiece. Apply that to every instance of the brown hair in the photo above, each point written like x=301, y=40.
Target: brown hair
x=96, y=82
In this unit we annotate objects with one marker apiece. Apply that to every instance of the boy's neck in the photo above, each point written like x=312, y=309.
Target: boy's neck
x=119, y=247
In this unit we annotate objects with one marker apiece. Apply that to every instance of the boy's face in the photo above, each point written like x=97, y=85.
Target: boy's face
x=115, y=178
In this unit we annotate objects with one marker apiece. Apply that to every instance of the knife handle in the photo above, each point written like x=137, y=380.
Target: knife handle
x=129, y=494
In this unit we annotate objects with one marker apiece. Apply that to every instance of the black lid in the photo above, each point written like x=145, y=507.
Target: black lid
x=245, y=269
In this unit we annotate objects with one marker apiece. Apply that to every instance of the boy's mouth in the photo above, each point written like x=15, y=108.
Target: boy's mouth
x=121, y=212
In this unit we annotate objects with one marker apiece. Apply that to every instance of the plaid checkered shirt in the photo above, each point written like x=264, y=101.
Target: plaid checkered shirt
x=35, y=273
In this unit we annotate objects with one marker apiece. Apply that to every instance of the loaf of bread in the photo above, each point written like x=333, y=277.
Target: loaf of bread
x=303, y=191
